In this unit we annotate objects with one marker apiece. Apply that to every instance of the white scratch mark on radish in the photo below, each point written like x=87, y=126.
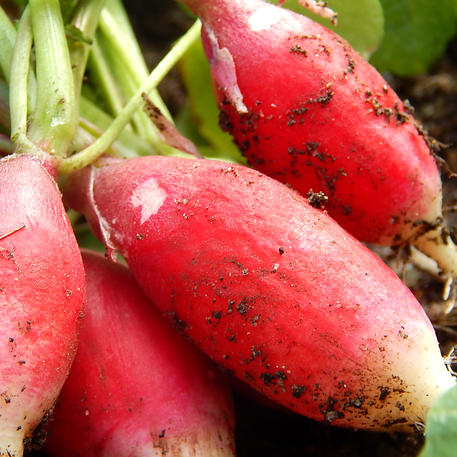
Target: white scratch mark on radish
x=105, y=228
x=224, y=71
x=149, y=196
x=263, y=18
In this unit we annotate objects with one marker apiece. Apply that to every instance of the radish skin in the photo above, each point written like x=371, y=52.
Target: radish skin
x=42, y=293
x=269, y=287
x=306, y=109
x=136, y=388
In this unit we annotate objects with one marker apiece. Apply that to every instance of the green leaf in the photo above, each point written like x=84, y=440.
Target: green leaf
x=203, y=107
x=441, y=430
x=361, y=22
x=416, y=34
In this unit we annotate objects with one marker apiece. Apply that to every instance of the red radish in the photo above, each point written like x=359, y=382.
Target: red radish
x=41, y=297
x=136, y=388
x=306, y=109
x=269, y=287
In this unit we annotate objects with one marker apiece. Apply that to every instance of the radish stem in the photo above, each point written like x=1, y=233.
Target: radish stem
x=56, y=116
x=126, y=61
x=116, y=27
x=18, y=87
x=7, y=38
x=85, y=18
x=127, y=86
x=94, y=120
x=93, y=152
x=105, y=81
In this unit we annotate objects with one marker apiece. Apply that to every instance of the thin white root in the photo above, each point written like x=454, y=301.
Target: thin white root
x=435, y=253
x=447, y=290
x=451, y=359
x=320, y=8
x=438, y=245
x=430, y=266
x=442, y=314
x=424, y=262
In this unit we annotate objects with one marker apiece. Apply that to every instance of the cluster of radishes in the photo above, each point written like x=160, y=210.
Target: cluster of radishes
x=256, y=275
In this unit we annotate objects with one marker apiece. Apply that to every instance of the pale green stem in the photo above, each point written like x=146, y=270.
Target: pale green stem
x=116, y=26
x=94, y=151
x=18, y=88
x=87, y=134
x=140, y=122
x=85, y=19
x=7, y=39
x=96, y=121
x=105, y=81
x=55, y=118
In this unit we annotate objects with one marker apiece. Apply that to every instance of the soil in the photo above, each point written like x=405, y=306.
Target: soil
x=263, y=431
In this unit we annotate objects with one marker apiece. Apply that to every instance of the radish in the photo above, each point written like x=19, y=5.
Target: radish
x=41, y=298
x=137, y=388
x=269, y=287
x=306, y=109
